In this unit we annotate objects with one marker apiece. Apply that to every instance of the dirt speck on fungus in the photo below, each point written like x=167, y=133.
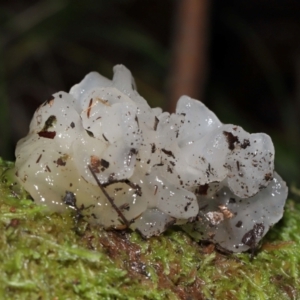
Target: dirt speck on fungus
x=231, y=139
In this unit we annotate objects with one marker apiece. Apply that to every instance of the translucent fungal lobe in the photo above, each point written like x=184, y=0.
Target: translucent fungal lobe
x=103, y=149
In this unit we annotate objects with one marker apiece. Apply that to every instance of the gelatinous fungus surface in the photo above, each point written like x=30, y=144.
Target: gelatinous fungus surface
x=129, y=165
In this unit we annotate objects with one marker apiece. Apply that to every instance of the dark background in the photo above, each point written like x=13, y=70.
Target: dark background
x=251, y=75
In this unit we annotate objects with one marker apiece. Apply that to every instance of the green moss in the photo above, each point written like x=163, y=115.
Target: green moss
x=49, y=256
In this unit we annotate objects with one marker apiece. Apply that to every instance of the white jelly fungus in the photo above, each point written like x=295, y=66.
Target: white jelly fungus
x=103, y=150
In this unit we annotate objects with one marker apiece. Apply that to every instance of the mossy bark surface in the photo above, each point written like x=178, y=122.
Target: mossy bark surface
x=51, y=256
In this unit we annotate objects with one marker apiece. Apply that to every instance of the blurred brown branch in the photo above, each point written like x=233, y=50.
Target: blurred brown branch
x=188, y=66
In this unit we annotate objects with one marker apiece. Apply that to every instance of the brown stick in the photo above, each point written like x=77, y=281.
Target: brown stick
x=188, y=65
x=116, y=208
